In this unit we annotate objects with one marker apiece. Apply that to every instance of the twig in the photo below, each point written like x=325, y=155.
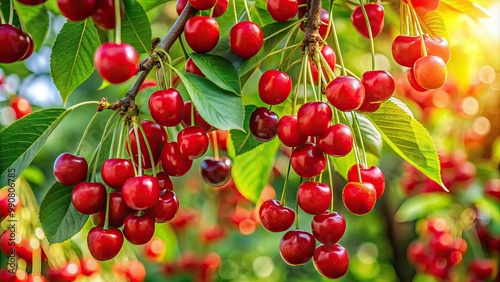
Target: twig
x=312, y=36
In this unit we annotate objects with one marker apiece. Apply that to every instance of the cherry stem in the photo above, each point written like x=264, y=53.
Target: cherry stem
x=139, y=152
x=11, y=12
x=337, y=47
x=311, y=80
x=163, y=70
x=368, y=25
x=104, y=136
x=83, y=104
x=148, y=146
x=297, y=226
x=131, y=154
x=215, y=145
x=87, y=129
x=106, y=218
x=330, y=179
x=191, y=113
x=289, y=55
x=281, y=30
x=2, y=18
x=118, y=23
x=296, y=94
x=183, y=48
x=304, y=73
x=324, y=63
x=330, y=19
x=113, y=140
x=294, y=47
x=235, y=12
x=360, y=137
x=120, y=140
x=283, y=193
x=37, y=259
x=247, y=10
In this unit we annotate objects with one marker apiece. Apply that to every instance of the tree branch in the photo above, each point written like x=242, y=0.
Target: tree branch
x=312, y=36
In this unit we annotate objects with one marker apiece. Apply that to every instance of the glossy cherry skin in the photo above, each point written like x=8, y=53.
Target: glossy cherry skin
x=314, y=118
x=410, y=75
x=379, y=85
x=430, y=72
x=220, y=8
x=289, y=132
x=438, y=46
x=21, y=106
x=118, y=210
x=77, y=10
x=373, y=175
x=115, y=171
x=345, y=93
x=31, y=2
x=156, y=136
x=274, y=87
x=308, y=160
x=425, y=5
x=104, y=244
x=15, y=43
x=406, y=50
x=482, y=268
x=166, y=107
x=274, y=217
x=282, y=10
x=198, y=120
x=165, y=208
x=314, y=197
x=331, y=261
x=89, y=197
x=297, y=247
x=31, y=46
x=138, y=230
x=116, y=63
x=375, y=13
x=216, y=172
x=104, y=16
x=70, y=169
x=337, y=141
x=191, y=67
x=172, y=162
x=202, y=4
x=192, y=142
x=359, y=198
x=330, y=57
x=140, y=192
x=263, y=124
x=368, y=107
x=164, y=181
x=201, y=33
x=246, y=39
x=325, y=18
x=328, y=228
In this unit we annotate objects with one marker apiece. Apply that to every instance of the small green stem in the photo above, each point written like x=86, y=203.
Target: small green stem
x=355, y=147
x=139, y=153
x=281, y=30
x=113, y=139
x=372, y=44
x=11, y=12
x=295, y=46
x=118, y=23
x=337, y=46
x=247, y=10
x=192, y=114
x=330, y=178
x=104, y=135
x=360, y=138
x=296, y=94
x=120, y=140
x=131, y=154
x=150, y=152
x=235, y=12
x=87, y=129
x=297, y=226
x=304, y=73
x=83, y=104
x=106, y=219
x=183, y=48
x=215, y=144
x=283, y=193
x=2, y=18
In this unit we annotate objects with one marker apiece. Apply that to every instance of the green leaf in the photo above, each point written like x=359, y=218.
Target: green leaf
x=218, y=107
x=251, y=170
x=72, y=59
x=343, y=164
x=136, y=29
x=433, y=23
x=219, y=70
x=422, y=205
x=372, y=139
x=22, y=140
x=36, y=21
x=59, y=218
x=243, y=141
x=408, y=138
x=150, y=4
x=467, y=7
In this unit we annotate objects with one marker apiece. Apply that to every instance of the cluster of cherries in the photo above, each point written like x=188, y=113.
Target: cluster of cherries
x=17, y=45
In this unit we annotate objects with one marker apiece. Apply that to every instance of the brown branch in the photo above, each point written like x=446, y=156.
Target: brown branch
x=312, y=36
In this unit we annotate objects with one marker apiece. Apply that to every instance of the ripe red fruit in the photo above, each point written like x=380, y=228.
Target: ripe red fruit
x=118, y=210
x=289, y=132
x=155, y=135
x=345, y=93
x=337, y=141
x=166, y=107
x=375, y=13
x=77, y=10
x=165, y=208
x=359, y=197
x=172, y=162
x=191, y=67
x=282, y=10
x=430, y=72
x=274, y=217
x=330, y=57
x=263, y=124
x=373, y=175
x=31, y=2
x=155, y=249
x=410, y=75
x=482, y=268
x=216, y=172
x=220, y=8
x=368, y=107
x=425, y=5
x=331, y=261
x=140, y=192
x=164, y=181
x=314, y=118
x=29, y=51
x=246, y=39
x=297, y=247
x=89, y=266
x=70, y=169
x=104, y=16
x=198, y=120
x=406, y=50
x=274, y=87
x=325, y=18
x=437, y=46
x=104, y=244
x=115, y=171
x=116, y=63
x=379, y=86
x=138, y=230
x=15, y=43
x=202, y=4
x=201, y=33
x=89, y=197
x=328, y=227
x=308, y=160
x=21, y=106
x=192, y=142
x=314, y=197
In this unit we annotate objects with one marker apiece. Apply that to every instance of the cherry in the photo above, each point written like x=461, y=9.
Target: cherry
x=263, y=124
x=410, y=74
x=375, y=13
x=106, y=60
x=180, y=5
x=307, y=160
x=314, y=118
x=406, y=50
x=104, y=16
x=425, y=5
x=115, y=171
x=368, y=107
x=216, y=172
x=379, y=86
x=202, y=4
x=437, y=46
x=274, y=87
x=155, y=249
x=297, y=247
x=191, y=67
x=164, y=181
x=246, y=39
x=482, y=268
x=325, y=18
x=337, y=141
x=201, y=33
x=172, y=162
x=104, y=244
x=31, y=47
x=140, y=192
x=302, y=10
x=155, y=135
x=77, y=10
x=373, y=175
x=15, y=43
x=70, y=169
x=21, y=106
x=89, y=266
x=314, y=197
x=166, y=107
x=89, y=197
x=138, y=230
x=282, y=10
x=331, y=261
x=118, y=210
x=330, y=57
x=165, y=208
x=359, y=197
x=289, y=132
x=8, y=204
x=328, y=227
x=274, y=217
x=220, y=8
x=212, y=234
x=31, y=2
x=430, y=72
x=70, y=271
x=198, y=120
x=345, y=93
x=192, y=142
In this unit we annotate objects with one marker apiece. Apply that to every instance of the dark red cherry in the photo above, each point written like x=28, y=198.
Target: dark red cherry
x=180, y=5
x=282, y=10
x=373, y=175
x=359, y=198
x=482, y=268
x=274, y=87
x=375, y=13
x=274, y=217
x=140, y=192
x=118, y=210
x=379, y=86
x=325, y=18
x=77, y=10
x=198, y=120
x=337, y=141
x=116, y=63
x=220, y=8
x=246, y=39
x=307, y=160
x=15, y=43
x=156, y=136
x=172, y=162
x=104, y=16
x=115, y=171
x=289, y=132
x=138, y=230
x=104, y=244
x=70, y=169
x=165, y=208
x=331, y=261
x=31, y=47
x=89, y=197
x=328, y=227
x=263, y=124
x=314, y=118
x=202, y=4
x=191, y=67
x=345, y=93
x=192, y=142
x=314, y=197
x=201, y=33
x=166, y=107
x=216, y=172
x=297, y=247
x=164, y=181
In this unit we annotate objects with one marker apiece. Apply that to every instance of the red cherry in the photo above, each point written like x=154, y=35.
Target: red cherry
x=274, y=87
x=155, y=249
x=282, y=10
x=314, y=197
x=430, y=72
x=373, y=175
x=191, y=67
x=118, y=210
x=172, y=162
x=115, y=171
x=368, y=107
x=140, y=192
x=77, y=10
x=15, y=43
x=406, y=50
x=202, y=4
x=220, y=8
x=198, y=120
x=425, y=5
x=308, y=160
x=104, y=16
x=192, y=142
x=164, y=181
x=263, y=124
x=274, y=217
x=359, y=198
x=437, y=46
x=104, y=244
x=180, y=5
x=89, y=266
x=216, y=172
x=156, y=136
x=410, y=74
x=314, y=118
x=337, y=141
x=246, y=39
x=165, y=208
x=289, y=132
x=345, y=93
x=116, y=63
x=325, y=18
x=70, y=169
x=89, y=197
x=21, y=106
x=375, y=13
x=330, y=57
x=70, y=271
x=331, y=261
x=328, y=227
x=201, y=33
x=138, y=230
x=482, y=268
x=29, y=51
x=166, y=107
x=297, y=247
x=379, y=86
